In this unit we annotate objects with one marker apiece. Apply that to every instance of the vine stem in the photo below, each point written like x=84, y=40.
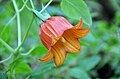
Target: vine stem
x=31, y=2
x=25, y=2
x=24, y=54
x=6, y=58
x=6, y=45
x=18, y=22
x=26, y=34
x=26, y=5
x=46, y=6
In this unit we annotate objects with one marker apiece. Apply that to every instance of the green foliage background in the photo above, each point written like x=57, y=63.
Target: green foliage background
x=100, y=53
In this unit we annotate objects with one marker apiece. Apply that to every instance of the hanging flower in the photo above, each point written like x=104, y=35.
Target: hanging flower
x=60, y=38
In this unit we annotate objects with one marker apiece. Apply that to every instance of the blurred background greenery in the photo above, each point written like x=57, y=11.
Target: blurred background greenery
x=98, y=58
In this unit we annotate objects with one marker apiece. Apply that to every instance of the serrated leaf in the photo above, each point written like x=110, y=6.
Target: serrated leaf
x=76, y=9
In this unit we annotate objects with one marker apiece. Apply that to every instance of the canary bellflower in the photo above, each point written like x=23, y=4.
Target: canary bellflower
x=60, y=38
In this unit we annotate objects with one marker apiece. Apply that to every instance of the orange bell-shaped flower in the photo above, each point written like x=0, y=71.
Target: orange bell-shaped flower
x=60, y=37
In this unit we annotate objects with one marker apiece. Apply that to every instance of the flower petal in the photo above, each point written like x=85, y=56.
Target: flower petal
x=47, y=57
x=79, y=33
x=59, y=53
x=47, y=36
x=79, y=25
x=59, y=56
x=58, y=24
x=72, y=44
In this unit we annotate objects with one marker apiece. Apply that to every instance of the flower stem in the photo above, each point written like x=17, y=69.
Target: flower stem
x=18, y=22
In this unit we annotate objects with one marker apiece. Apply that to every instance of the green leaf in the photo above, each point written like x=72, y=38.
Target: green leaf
x=78, y=73
x=39, y=50
x=84, y=43
x=90, y=37
x=44, y=67
x=89, y=63
x=23, y=68
x=15, y=62
x=76, y=9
